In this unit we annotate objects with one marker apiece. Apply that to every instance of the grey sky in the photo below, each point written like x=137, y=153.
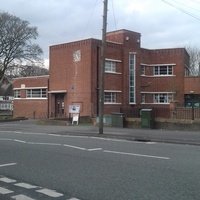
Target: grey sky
x=160, y=24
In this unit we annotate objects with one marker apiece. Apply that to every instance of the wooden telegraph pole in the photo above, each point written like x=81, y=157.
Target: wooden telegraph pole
x=102, y=68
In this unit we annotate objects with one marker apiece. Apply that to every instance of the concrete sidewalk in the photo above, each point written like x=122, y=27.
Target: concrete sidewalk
x=143, y=135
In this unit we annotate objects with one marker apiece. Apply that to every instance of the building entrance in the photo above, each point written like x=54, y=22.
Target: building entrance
x=59, y=105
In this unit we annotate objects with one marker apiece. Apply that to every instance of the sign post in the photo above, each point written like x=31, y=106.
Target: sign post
x=74, y=110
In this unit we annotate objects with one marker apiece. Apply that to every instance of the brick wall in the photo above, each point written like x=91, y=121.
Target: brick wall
x=33, y=109
x=28, y=107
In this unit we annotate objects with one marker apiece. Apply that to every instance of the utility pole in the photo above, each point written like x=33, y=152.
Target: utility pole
x=102, y=68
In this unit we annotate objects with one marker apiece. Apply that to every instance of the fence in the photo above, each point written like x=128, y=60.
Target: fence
x=165, y=112
x=162, y=112
x=186, y=113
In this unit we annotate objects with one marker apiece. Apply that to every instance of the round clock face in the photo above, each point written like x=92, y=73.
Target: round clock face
x=77, y=56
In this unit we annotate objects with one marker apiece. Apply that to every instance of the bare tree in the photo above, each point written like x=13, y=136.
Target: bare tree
x=194, y=54
x=16, y=45
x=26, y=70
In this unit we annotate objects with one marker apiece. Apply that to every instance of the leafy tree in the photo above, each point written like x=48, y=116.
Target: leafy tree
x=194, y=53
x=16, y=46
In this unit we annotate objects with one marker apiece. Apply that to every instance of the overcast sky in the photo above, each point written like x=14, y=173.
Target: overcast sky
x=162, y=23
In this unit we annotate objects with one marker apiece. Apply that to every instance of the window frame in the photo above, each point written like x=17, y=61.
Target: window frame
x=112, y=96
x=132, y=78
x=17, y=94
x=163, y=70
x=36, y=93
x=110, y=66
x=162, y=98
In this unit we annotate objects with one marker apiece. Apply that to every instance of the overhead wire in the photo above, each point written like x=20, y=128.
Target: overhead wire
x=187, y=6
x=94, y=6
x=182, y=10
x=114, y=17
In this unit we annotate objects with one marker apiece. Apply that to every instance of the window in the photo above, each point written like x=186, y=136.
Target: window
x=110, y=97
x=131, y=78
x=163, y=70
x=17, y=94
x=143, y=97
x=110, y=66
x=5, y=98
x=142, y=70
x=36, y=93
x=5, y=106
x=163, y=98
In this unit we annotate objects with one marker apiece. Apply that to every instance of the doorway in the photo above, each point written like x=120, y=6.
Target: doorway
x=59, y=105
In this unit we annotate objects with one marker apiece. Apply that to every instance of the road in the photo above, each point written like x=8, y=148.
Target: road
x=39, y=165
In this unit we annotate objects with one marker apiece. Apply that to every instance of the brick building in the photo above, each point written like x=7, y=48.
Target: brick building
x=134, y=78
x=31, y=97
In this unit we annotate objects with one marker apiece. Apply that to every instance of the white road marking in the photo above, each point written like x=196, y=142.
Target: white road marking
x=50, y=193
x=7, y=180
x=7, y=164
x=139, y=155
x=24, y=133
x=5, y=139
x=75, y=147
x=5, y=191
x=96, y=149
x=20, y=141
x=17, y=132
x=150, y=143
x=26, y=185
x=44, y=143
x=73, y=198
x=56, y=135
x=21, y=197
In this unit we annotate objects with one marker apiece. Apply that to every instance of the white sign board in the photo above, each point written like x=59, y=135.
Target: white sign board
x=74, y=109
x=75, y=118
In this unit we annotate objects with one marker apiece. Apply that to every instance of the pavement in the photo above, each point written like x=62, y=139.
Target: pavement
x=133, y=134
x=140, y=135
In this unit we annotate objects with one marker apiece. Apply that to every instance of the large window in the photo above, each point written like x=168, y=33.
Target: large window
x=110, y=97
x=163, y=70
x=110, y=66
x=162, y=98
x=36, y=93
x=131, y=78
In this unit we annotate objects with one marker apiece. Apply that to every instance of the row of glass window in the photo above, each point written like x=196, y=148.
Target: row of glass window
x=110, y=66
x=32, y=93
x=111, y=97
x=159, y=70
x=159, y=98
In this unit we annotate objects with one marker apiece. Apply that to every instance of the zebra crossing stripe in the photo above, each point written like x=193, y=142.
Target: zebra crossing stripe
x=50, y=193
x=26, y=185
x=5, y=191
x=7, y=164
x=7, y=180
x=73, y=199
x=21, y=197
